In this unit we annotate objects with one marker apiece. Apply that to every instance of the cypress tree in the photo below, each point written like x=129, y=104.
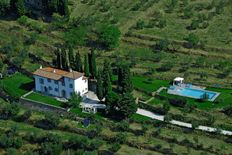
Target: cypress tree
x=93, y=68
x=58, y=59
x=78, y=63
x=63, y=8
x=107, y=77
x=53, y=6
x=107, y=70
x=124, y=79
x=127, y=105
x=100, y=93
x=20, y=8
x=65, y=59
x=13, y=5
x=86, y=66
x=71, y=57
x=107, y=84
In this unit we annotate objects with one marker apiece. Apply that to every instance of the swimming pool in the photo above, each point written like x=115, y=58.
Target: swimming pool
x=193, y=93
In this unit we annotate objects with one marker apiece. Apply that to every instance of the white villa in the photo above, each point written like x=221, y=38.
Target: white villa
x=59, y=83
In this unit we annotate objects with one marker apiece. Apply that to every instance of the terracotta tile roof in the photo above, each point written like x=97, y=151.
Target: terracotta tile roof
x=56, y=74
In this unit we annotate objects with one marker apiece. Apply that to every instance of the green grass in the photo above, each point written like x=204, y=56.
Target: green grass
x=147, y=84
x=45, y=99
x=17, y=85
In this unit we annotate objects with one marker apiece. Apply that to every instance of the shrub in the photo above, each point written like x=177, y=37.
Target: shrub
x=178, y=102
x=123, y=126
x=50, y=121
x=23, y=20
x=120, y=138
x=8, y=111
x=228, y=111
x=115, y=147
x=140, y=24
x=165, y=67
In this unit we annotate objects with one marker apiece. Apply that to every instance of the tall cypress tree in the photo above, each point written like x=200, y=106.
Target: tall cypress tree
x=13, y=5
x=65, y=59
x=86, y=66
x=107, y=70
x=107, y=77
x=63, y=8
x=78, y=63
x=71, y=57
x=20, y=8
x=93, y=68
x=127, y=105
x=100, y=93
x=124, y=79
x=58, y=59
x=107, y=84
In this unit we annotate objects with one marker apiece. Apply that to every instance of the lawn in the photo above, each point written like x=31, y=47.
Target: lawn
x=45, y=99
x=147, y=84
x=17, y=84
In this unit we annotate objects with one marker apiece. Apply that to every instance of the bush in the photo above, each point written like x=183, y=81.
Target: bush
x=115, y=147
x=23, y=20
x=122, y=126
x=50, y=121
x=228, y=111
x=178, y=102
x=8, y=111
x=120, y=138
x=109, y=36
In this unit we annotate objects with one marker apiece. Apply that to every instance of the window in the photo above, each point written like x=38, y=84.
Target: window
x=56, y=89
x=56, y=82
x=50, y=88
x=70, y=85
x=63, y=83
x=41, y=81
x=49, y=80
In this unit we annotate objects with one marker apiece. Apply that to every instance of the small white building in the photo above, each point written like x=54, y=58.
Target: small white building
x=178, y=81
x=60, y=83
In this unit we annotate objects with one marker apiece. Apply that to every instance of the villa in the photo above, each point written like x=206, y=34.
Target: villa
x=60, y=83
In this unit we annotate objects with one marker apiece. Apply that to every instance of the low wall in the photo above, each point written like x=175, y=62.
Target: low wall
x=35, y=105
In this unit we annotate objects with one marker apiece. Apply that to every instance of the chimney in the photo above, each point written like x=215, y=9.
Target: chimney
x=40, y=67
x=54, y=71
x=70, y=70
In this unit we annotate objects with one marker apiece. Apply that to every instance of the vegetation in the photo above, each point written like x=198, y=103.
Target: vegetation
x=157, y=41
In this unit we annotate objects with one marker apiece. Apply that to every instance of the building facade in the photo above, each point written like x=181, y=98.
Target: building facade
x=60, y=83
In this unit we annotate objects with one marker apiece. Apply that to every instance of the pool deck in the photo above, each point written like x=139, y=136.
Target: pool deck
x=177, y=92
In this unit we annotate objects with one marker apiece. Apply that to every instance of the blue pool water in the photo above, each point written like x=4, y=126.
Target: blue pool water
x=194, y=93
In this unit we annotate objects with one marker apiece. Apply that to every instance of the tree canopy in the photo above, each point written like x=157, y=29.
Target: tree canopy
x=109, y=36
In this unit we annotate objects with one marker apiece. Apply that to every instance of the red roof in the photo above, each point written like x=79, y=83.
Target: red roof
x=56, y=74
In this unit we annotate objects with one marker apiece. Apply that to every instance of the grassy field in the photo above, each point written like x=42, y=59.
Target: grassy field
x=17, y=85
x=44, y=99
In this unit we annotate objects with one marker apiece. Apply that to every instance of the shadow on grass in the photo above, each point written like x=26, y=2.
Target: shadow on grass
x=27, y=86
